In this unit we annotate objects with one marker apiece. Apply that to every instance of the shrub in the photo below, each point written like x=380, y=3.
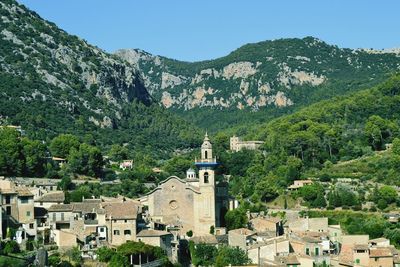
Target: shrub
x=11, y=247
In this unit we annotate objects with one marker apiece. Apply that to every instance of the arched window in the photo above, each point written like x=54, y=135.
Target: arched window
x=206, y=177
x=206, y=154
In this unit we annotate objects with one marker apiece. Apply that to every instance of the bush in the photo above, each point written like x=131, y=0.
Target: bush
x=105, y=254
x=382, y=204
x=11, y=247
x=54, y=260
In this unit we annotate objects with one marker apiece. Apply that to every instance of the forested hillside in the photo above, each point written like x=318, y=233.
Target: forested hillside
x=312, y=140
x=52, y=82
x=260, y=81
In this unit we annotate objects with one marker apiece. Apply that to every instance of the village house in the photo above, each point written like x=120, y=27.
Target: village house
x=273, y=225
x=297, y=184
x=48, y=199
x=267, y=250
x=241, y=238
x=95, y=222
x=236, y=144
x=157, y=238
x=126, y=164
x=308, y=225
x=358, y=250
x=17, y=211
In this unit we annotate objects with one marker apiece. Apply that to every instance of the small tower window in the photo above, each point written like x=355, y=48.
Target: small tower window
x=206, y=154
x=206, y=177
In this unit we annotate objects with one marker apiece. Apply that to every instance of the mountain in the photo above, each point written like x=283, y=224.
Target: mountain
x=52, y=82
x=261, y=80
x=344, y=137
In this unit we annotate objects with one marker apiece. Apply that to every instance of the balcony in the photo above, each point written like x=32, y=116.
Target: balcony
x=206, y=162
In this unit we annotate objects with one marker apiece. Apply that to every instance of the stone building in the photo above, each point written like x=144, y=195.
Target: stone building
x=17, y=210
x=196, y=203
x=236, y=144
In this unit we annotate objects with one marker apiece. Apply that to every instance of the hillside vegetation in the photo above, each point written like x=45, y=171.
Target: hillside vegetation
x=312, y=140
x=52, y=82
x=260, y=81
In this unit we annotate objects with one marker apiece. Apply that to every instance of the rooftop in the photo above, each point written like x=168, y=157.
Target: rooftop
x=242, y=231
x=23, y=192
x=58, y=196
x=124, y=210
x=205, y=239
x=380, y=252
x=152, y=233
x=60, y=207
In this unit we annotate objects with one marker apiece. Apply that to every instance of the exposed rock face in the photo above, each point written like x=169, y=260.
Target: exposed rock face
x=238, y=70
x=64, y=71
x=266, y=74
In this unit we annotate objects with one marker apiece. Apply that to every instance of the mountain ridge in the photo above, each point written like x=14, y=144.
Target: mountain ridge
x=53, y=82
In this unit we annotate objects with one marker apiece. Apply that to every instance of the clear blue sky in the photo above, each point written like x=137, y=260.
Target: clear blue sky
x=205, y=29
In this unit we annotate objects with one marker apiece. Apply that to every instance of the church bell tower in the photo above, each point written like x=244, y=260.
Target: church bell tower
x=206, y=200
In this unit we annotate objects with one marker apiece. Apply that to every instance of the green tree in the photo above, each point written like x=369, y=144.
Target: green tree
x=396, y=146
x=266, y=189
x=231, y=256
x=294, y=166
x=34, y=154
x=118, y=260
x=382, y=204
x=105, y=254
x=86, y=160
x=74, y=254
x=61, y=145
x=387, y=193
x=202, y=254
x=78, y=194
x=10, y=152
x=118, y=153
x=235, y=219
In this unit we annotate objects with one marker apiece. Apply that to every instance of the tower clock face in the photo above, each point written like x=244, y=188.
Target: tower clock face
x=173, y=204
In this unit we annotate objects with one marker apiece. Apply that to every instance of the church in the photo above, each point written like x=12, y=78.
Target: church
x=197, y=203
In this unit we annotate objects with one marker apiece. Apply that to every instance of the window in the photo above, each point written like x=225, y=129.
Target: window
x=8, y=199
x=54, y=217
x=116, y=232
x=31, y=226
x=206, y=154
x=24, y=200
x=127, y=232
x=206, y=177
x=357, y=260
x=126, y=221
x=41, y=203
x=307, y=251
x=316, y=251
x=28, y=213
x=62, y=216
x=101, y=230
x=8, y=210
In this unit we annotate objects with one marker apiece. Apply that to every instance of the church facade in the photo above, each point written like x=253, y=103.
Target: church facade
x=196, y=203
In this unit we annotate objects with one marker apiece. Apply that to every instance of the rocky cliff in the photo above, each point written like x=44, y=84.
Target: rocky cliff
x=277, y=73
x=52, y=82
